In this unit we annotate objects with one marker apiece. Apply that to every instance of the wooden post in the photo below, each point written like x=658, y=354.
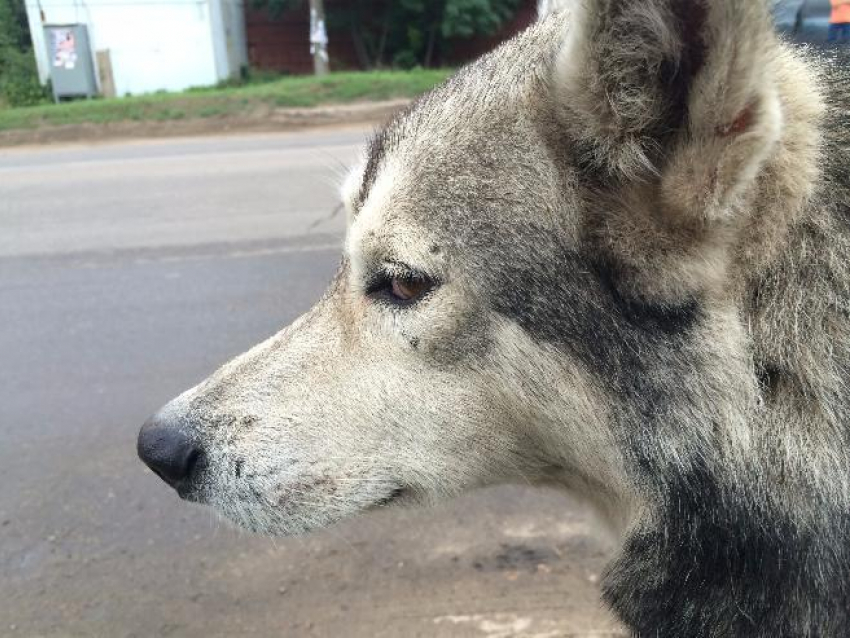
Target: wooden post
x=318, y=37
x=104, y=72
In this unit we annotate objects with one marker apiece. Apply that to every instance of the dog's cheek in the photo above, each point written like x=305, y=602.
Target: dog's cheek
x=449, y=336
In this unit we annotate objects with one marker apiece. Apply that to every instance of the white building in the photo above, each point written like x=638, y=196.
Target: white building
x=152, y=45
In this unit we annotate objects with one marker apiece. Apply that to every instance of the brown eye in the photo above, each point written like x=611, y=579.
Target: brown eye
x=400, y=288
x=407, y=290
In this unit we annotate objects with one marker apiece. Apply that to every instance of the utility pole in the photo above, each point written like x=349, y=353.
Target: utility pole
x=318, y=37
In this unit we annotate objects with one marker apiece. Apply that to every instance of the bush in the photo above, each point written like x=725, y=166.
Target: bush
x=405, y=59
x=19, y=84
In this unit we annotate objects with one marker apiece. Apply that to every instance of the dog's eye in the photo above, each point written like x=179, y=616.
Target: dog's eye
x=408, y=290
x=400, y=288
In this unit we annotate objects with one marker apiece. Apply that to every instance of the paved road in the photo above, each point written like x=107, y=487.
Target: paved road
x=130, y=271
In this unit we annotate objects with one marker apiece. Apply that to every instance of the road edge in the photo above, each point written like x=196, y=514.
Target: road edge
x=262, y=120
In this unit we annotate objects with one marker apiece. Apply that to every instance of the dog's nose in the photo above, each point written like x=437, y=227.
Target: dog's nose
x=168, y=451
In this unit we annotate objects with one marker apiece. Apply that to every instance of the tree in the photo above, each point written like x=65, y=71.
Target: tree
x=318, y=37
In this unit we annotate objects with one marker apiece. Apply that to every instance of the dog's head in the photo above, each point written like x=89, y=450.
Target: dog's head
x=540, y=254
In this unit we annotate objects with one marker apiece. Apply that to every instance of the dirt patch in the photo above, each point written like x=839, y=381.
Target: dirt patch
x=256, y=120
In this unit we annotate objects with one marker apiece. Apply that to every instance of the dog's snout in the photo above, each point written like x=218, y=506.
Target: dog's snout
x=168, y=450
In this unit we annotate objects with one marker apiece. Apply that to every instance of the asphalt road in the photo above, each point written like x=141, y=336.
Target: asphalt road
x=130, y=271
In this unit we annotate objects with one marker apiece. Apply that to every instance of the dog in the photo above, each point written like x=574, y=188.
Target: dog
x=613, y=255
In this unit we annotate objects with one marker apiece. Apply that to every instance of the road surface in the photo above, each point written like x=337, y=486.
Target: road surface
x=130, y=271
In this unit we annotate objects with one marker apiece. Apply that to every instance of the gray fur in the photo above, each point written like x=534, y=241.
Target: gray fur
x=635, y=217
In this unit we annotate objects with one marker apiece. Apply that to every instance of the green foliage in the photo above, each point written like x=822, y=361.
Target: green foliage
x=19, y=85
x=467, y=18
x=429, y=26
x=14, y=32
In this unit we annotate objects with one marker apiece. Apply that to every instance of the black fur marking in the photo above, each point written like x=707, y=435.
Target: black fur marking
x=387, y=138
x=377, y=151
x=562, y=297
x=646, y=356
x=768, y=379
x=678, y=77
x=239, y=464
x=667, y=319
x=713, y=564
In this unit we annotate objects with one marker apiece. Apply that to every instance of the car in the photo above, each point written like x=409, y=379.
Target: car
x=804, y=21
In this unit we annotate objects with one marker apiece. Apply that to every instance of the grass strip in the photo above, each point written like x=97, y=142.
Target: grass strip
x=300, y=91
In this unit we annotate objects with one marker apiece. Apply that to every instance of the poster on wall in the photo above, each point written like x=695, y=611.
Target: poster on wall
x=64, y=48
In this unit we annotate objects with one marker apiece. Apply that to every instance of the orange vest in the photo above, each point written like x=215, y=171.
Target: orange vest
x=840, y=13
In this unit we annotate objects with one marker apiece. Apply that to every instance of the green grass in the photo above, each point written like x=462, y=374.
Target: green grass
x=336, y=88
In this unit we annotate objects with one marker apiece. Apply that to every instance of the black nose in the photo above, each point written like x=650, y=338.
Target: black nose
x=168, y=451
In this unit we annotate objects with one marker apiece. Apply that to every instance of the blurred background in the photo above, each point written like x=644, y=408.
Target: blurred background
x=169, y=173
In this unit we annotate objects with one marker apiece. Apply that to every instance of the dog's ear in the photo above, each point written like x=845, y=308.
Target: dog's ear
x=677, y=92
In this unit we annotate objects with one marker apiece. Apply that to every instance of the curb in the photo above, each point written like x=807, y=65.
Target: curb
x=257, y=120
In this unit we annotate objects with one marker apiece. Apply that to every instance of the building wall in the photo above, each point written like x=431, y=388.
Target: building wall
x=154, y=44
